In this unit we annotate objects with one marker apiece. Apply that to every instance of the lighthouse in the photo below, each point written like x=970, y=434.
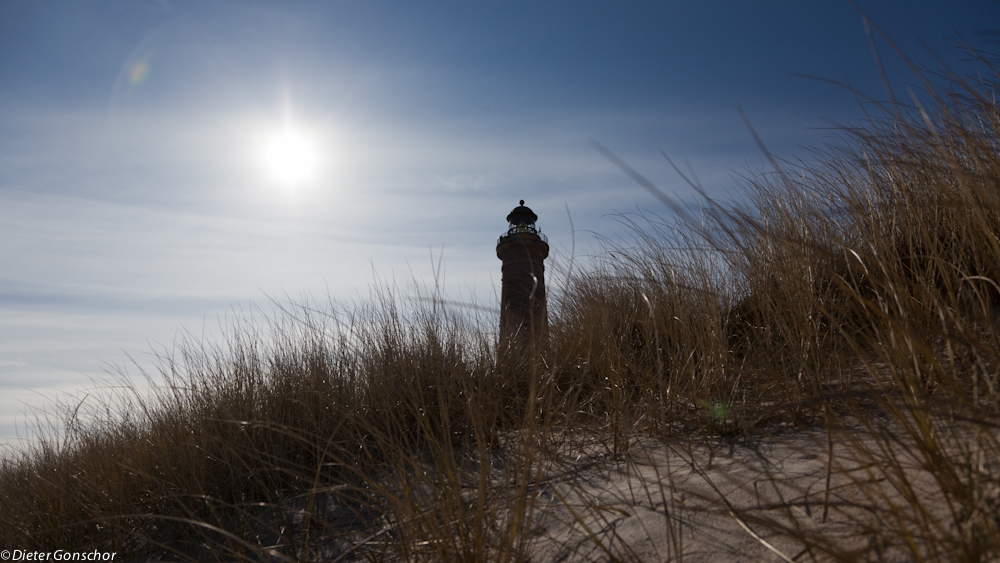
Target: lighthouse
x=522, y=249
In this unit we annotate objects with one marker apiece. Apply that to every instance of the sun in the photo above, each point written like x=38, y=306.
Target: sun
x=290, y=157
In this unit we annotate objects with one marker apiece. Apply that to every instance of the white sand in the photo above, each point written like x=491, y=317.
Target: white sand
x=726, y=501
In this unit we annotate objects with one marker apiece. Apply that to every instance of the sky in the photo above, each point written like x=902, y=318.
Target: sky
x=143, y=195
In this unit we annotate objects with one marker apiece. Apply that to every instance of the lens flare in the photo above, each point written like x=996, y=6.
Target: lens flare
x=138, y=73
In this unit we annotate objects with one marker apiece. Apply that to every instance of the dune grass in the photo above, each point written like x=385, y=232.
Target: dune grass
x=853, y=297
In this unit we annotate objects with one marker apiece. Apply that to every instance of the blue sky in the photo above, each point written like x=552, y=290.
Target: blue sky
x=134, y=200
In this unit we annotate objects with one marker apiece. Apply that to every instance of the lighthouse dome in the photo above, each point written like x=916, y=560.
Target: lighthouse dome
x=522, y=215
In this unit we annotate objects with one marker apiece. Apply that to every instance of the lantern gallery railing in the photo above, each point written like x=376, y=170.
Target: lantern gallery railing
x=523, y=229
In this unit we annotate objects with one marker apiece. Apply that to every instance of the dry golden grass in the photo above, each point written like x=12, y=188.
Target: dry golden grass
x=854, y=298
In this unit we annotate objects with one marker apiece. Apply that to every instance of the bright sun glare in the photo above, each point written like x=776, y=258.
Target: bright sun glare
x=290, y=157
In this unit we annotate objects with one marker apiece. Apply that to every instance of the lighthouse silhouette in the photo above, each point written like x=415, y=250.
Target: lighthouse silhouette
x=522, y=249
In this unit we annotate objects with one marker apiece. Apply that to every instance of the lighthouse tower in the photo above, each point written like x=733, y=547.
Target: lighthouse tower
x=522, y=249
